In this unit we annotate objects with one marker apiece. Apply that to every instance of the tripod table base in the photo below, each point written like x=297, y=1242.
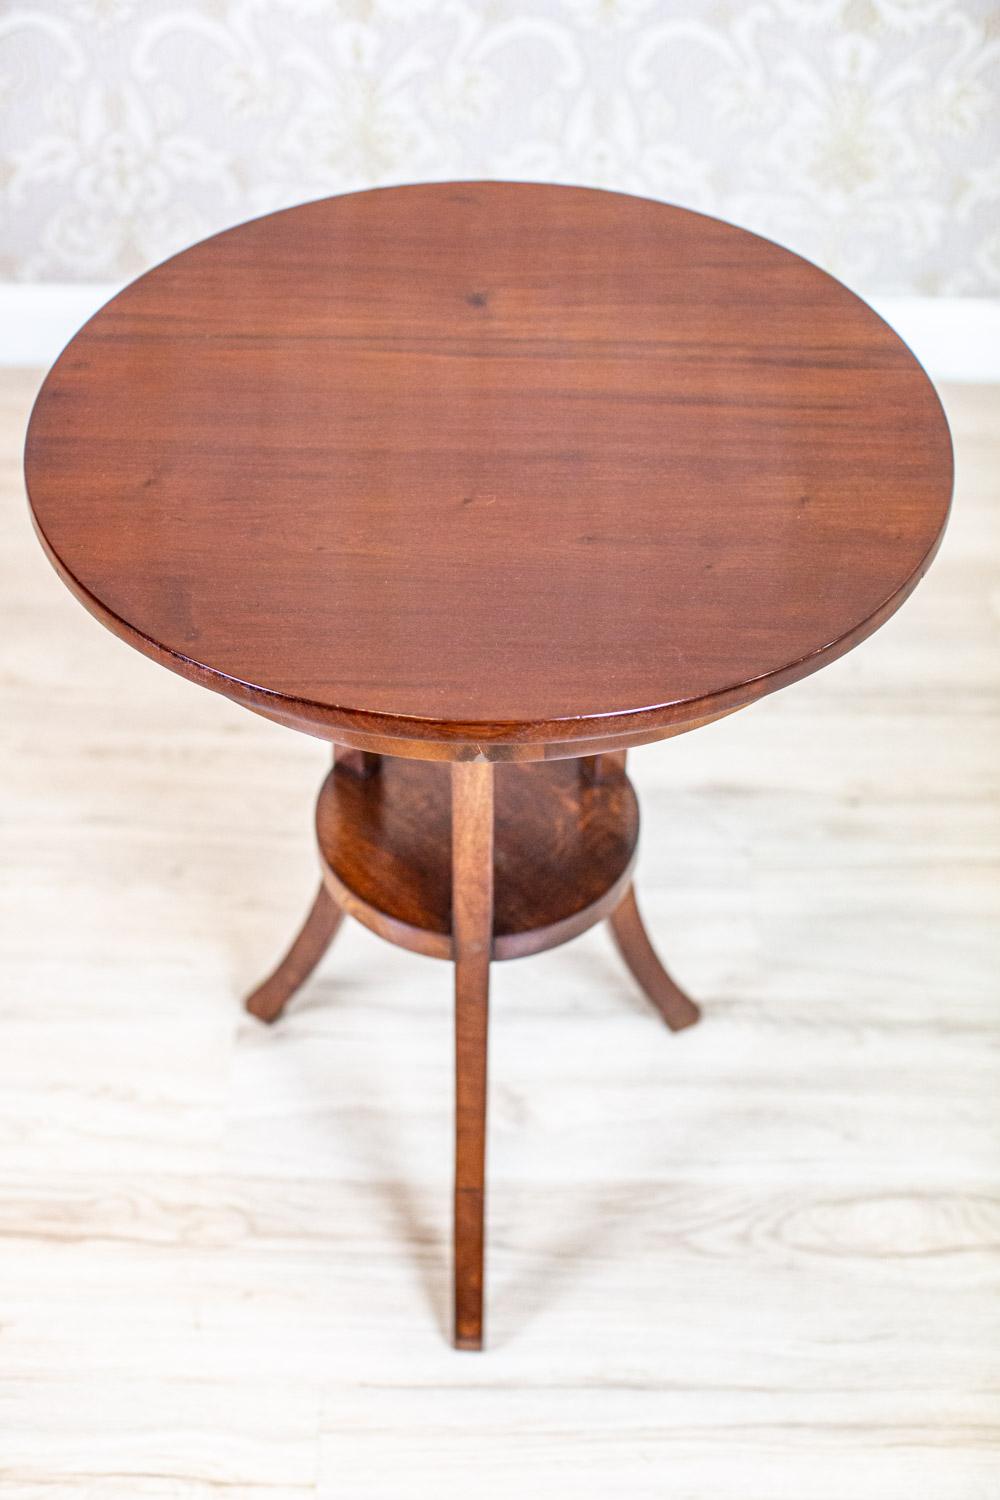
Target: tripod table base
x=477, y=862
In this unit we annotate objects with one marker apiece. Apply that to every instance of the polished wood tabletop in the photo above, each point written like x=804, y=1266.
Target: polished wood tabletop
x=489, y=465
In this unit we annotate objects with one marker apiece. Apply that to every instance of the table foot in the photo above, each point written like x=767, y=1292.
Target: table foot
x=269, y=999
x=632, y=940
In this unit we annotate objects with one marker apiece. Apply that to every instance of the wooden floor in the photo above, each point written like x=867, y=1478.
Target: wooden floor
x=760, y=1259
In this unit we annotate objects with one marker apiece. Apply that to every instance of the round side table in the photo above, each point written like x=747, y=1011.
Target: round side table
x=487, y=483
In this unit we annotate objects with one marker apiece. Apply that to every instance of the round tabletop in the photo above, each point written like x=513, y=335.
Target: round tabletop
x=489, y=465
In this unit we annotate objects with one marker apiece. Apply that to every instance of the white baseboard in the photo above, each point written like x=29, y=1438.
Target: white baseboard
x=38, y=318
x=955, y=338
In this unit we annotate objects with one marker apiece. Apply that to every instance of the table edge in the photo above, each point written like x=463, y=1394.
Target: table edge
x=529, y=739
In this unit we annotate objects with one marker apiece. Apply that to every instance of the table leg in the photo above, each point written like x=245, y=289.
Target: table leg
x=595, y=768
x=676, y=1008
x=472, y=938
x=318, y=931
x=359, y=762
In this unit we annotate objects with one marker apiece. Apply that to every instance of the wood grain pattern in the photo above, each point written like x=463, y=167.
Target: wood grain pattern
x=472, y=855
x=489, y=466
x=772, y=1264
x=564, y=852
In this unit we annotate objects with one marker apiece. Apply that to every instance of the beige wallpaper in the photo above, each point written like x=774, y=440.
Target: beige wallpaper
x=863, y=133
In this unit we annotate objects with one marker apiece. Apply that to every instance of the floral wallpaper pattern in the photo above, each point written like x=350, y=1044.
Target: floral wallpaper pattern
x=864, y=133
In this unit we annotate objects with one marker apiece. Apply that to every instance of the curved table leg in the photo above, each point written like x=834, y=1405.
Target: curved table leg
x=472, y=941
x=630, y=936
x=318, y=931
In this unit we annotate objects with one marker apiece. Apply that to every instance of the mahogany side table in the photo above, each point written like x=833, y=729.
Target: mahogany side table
x=487, y=483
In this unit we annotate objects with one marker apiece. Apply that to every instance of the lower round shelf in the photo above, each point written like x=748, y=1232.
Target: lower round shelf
x=564, y=847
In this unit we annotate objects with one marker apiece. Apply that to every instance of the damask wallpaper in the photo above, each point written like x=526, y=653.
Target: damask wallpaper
x=863, y=133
